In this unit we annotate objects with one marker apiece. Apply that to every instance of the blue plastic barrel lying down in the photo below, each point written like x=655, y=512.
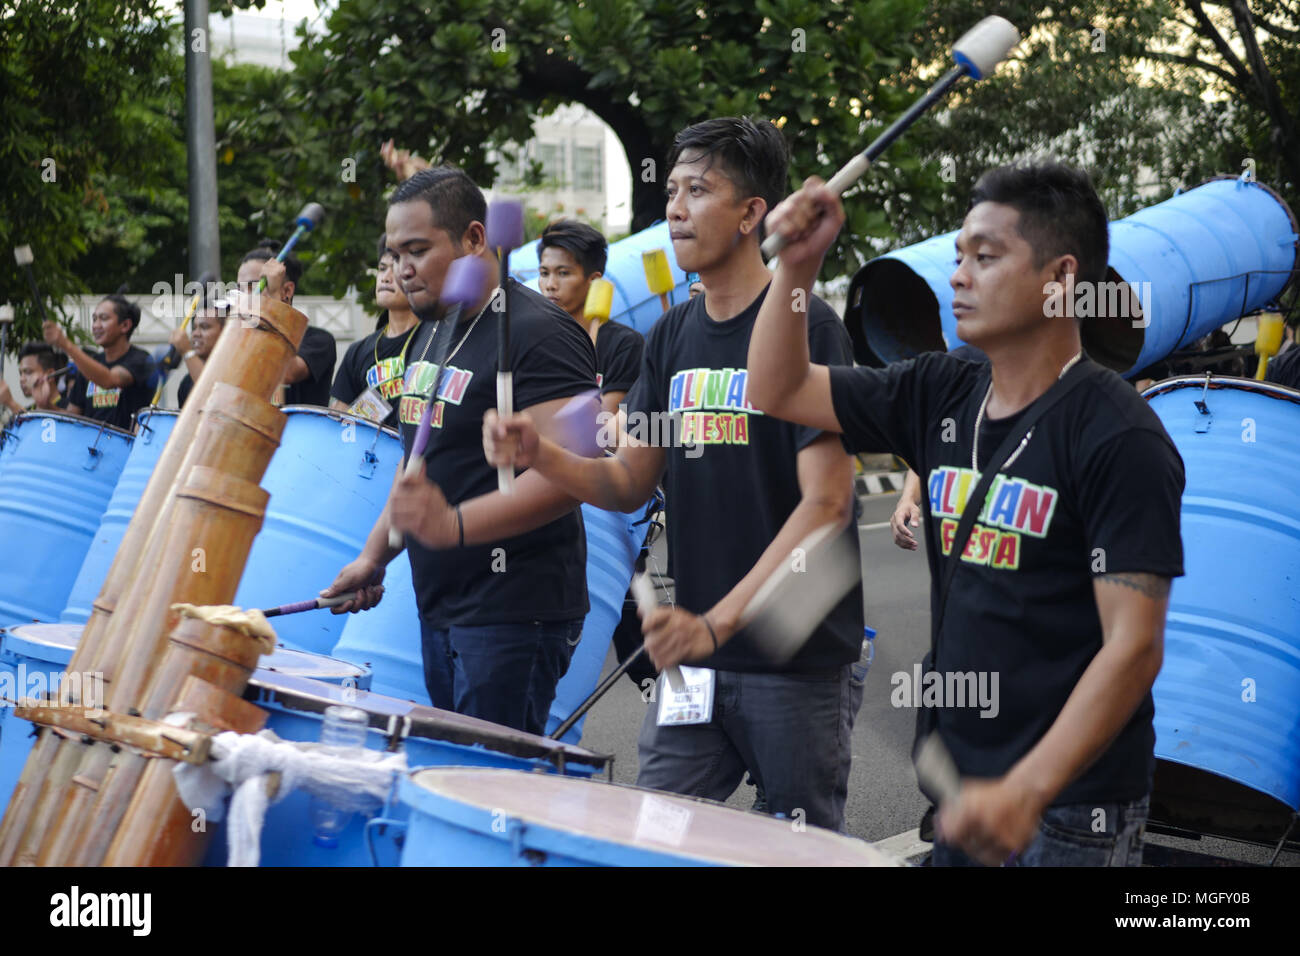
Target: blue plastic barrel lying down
x=57, y=475
x=328, y=483
x=154, y=427
x=386, y=638
x=1194, y=262
x=634, y=304
x=613, y=542
x=469, y=817
x=1228, y=696
x=429, y=737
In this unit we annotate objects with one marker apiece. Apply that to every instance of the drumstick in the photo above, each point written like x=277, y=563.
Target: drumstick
x=166, y=357
x=796, y=597
x=462, y=286
x=315, y=603
x=936, y=770
x=643, y=591
x=505, y=231
x=658, y=274
x=6, y=320
x=977, y=53
x=23, y=256
x=309, y=217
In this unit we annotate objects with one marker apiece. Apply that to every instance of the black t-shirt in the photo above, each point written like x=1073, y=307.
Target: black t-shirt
x=729, y=496
x=183, y=390
x=618, y=356
x=318, y=351
x=359, y=371
x=115, y=406
x=1285, y=369
x=1096, y=490
x=537, y=576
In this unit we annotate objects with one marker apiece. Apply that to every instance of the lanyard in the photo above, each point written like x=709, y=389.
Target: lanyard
x=445, y=362
x=405, y=345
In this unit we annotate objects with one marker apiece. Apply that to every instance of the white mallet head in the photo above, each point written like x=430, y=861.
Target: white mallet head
x=6, y=313
x=23, y=255
x=985, y=45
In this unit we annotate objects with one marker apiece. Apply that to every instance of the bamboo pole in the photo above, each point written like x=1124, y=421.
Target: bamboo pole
x=252, y=354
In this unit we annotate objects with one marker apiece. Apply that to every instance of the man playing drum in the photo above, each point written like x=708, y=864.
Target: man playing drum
x=500, y=579
x=743, y=491
x=1060, y=595
x=308, y=380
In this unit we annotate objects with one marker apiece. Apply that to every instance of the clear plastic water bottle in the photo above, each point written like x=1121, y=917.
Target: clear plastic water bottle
x=866, y=656
x=343, y=729
x=858, y=671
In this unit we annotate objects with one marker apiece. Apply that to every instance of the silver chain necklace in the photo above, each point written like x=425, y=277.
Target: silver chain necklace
x=1024, y=442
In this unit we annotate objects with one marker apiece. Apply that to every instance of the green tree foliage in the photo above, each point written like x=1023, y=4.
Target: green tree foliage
x=1133, y=90
x=70, y=81
x=1142, y=92
x=452, y=79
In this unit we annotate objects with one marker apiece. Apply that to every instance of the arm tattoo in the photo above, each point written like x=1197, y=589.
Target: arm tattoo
x=1152, y=585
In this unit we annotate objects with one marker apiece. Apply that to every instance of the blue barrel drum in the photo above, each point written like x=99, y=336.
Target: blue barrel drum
x=57, y=475
x=429, y=737
x=1228, y=696
x=154, y=427
x=328, y=482
x=468, y=817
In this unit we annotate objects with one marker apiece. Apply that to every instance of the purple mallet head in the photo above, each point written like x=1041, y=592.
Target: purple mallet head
x=466, y=278
x=505, y=224
x=578, y=424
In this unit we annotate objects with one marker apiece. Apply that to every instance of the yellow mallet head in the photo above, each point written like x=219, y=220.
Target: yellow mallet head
x=600, y=298
x=658, y=274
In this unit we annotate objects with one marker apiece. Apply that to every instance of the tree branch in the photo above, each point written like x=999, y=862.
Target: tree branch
x=1211, y=33
x=1284, y=124
x=1237, y=83
x=552, y=74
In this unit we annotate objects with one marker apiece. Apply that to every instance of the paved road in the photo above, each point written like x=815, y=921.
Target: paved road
x=883, y=799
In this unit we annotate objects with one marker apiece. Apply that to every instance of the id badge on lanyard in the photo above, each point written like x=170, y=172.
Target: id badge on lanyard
x=370, y=404
x=694, y=705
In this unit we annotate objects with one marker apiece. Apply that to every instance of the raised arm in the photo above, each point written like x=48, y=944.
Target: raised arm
x=783, y=381
x=90, y=369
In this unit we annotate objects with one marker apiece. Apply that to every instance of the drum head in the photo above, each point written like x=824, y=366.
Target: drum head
x=76, y=421
x=337, y=416
x=579, y=816
x=52, y=643
x=291, y=663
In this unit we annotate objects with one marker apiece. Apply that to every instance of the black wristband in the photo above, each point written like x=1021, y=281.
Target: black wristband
x=460, y=526
x=711, y=632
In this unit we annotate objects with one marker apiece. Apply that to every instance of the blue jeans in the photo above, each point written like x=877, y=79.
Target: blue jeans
x=505, y=673
x=1076, y=834
x=791, y=732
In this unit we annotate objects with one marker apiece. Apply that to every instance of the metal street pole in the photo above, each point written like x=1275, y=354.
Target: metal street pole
x=200, y=141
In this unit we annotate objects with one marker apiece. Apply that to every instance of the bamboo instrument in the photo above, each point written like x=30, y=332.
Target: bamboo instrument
x=252, y=354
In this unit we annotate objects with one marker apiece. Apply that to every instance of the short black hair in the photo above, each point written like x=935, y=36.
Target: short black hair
x=269, y=249
x=125, y=309
x=579, y=240
x=1060, y=211
x=455, y=199
x=49, y=359
x=381, y=249
x=753, y=154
